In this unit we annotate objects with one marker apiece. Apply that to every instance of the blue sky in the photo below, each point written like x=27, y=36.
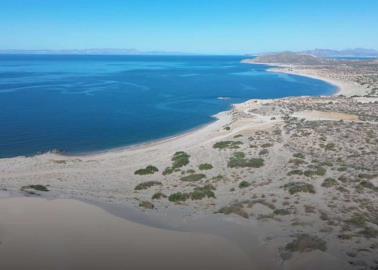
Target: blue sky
x=200, y=26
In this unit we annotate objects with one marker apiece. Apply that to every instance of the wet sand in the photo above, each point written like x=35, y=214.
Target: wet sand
x=37, y=233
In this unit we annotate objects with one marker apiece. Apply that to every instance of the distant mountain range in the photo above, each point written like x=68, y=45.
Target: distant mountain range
x=358, y=52
x=93, y=52
x=321, y=53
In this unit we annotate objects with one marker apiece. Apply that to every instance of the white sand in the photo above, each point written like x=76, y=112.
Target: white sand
x=67, y=234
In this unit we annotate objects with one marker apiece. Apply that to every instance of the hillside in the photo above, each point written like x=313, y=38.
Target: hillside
x=289, y=58
x=358, y=52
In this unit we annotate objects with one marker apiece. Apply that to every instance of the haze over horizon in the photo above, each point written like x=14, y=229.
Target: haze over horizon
x=215, y=27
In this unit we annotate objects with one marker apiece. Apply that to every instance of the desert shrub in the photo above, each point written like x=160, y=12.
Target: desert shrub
x=306, y=243
x=297, y=161
x=193, y=177
x=264, y=152
x=244, y=184
x=178, y=197
x=326, y=163
x=227, y=145
x=299, y=155
x=148, y=170
x=168, y=170
x=357, y=219
x=329, y=182
x=236, y=208
x=146, y=204
x=201, y=192
x=158, y=196
x=296, y=187
x=205, y=166
x=238, y=160
x=35, y=187
x=309, y=209
x=369, y=232
x=267, y=145
x=317, y=171
x=146, y=185
x=179, y=159
x=295, y=172
x=368, y=185
x=328, y=146
x=367, y=176
x=217, y=178
x=281, y=212
x=276, y=131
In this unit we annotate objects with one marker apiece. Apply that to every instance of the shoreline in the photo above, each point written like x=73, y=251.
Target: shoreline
x=275, y=68
x=345, y=88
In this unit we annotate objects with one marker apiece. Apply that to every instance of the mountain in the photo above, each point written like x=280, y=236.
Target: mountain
x=92, y=52
x=289, y=58
x=358, y=52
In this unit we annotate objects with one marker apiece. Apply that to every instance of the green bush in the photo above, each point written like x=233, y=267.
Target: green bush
x=281, y=212
x=201, y=192
x=179, y=197
x=306, y=243
x=328, y=146
x=368, y=185
x=238, y=160
x=168, y=170
x=297, y=161
x=267, y=145
x=227, y=145
x=369, y=232
x=158, y=196
x=357, y=219
x=295, y=187
x=244, y=184
x=35, y=187
x=329, y=182
x=147, y=205
x=193, y=177
x=148, y=170
x=236, y=208
x=317, y=171
x=147, y=185
x=179, y=159
x=295, y=172
x=299, y=155
x=205, y=166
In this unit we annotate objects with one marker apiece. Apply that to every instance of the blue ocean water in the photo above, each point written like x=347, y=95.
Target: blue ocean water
x=81, y=104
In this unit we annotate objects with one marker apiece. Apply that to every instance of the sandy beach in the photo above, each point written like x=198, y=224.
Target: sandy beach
x=266, y=164
x=67, y=234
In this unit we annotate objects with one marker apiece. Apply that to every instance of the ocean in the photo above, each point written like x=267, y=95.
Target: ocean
x=86, y=103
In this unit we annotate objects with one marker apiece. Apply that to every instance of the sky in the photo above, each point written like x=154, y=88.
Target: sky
x=195, y=26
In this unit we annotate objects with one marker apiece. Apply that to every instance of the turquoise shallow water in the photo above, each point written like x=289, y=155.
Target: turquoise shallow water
x=81, y=104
